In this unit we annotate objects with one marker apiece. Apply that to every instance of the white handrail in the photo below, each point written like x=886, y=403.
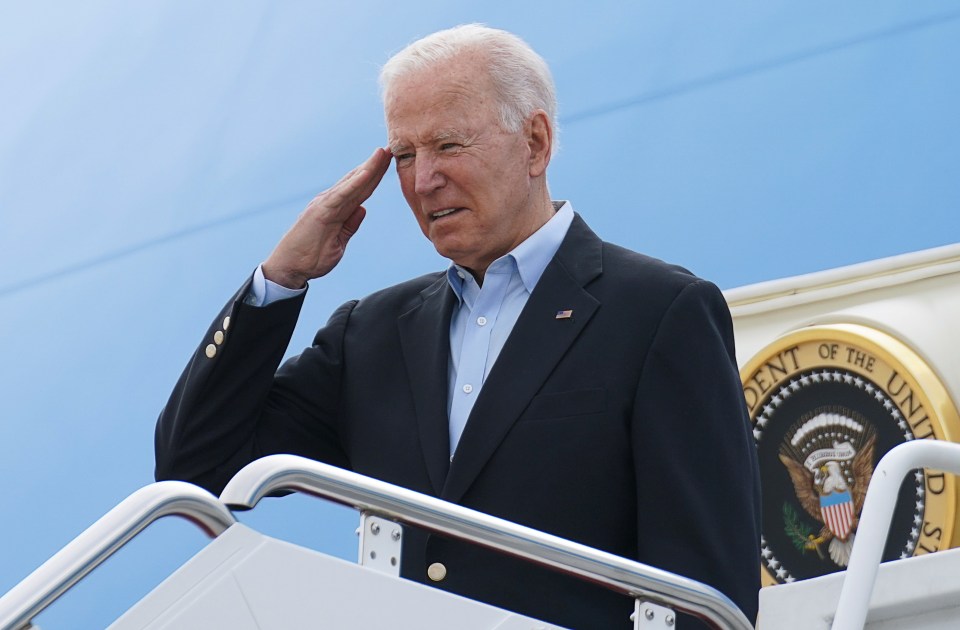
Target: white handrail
x=289, y=472
x=99, y=541
x=875, y=522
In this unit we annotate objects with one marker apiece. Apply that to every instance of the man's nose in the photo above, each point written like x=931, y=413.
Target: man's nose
x=428, y=175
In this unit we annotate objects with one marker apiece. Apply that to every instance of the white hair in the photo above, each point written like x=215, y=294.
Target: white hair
x=520, y=76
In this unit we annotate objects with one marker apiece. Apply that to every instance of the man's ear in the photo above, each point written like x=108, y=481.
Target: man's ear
x=539, y=130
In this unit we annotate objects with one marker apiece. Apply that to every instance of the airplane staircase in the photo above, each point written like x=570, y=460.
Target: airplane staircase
x=243, y=579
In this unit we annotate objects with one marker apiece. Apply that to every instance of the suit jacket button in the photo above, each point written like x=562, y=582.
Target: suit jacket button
x=437, y=572
x=211, y=351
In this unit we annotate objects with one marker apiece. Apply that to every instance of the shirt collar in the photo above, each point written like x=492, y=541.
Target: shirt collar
x=530, y=257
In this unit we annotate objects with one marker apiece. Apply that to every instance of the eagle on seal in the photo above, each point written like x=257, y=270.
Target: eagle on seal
x=826, y=495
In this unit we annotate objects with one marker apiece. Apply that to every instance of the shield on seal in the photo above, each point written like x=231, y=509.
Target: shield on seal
x=837, y=511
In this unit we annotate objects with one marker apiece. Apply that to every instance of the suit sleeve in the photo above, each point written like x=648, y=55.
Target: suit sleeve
x=231, y=405
x=696, y=465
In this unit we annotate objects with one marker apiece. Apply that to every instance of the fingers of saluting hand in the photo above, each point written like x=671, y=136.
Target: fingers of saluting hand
x=317, y=240
x=356, y=186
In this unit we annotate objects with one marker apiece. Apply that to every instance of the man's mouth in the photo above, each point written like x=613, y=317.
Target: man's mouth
x=443, y=213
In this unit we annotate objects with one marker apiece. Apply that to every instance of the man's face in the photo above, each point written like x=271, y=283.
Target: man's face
x=467, y=181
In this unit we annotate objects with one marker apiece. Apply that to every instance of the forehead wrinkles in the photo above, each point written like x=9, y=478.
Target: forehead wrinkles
x=398, y=144
x=448, y=99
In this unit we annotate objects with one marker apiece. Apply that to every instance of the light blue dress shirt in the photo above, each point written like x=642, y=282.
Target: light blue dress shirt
x=483, y=317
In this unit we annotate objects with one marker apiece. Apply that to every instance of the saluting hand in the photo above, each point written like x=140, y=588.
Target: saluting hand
x=316, y=242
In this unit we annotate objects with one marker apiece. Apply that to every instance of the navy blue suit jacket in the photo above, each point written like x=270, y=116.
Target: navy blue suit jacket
x=622, y=427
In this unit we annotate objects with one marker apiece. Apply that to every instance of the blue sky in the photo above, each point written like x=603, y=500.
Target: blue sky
x=152, y=153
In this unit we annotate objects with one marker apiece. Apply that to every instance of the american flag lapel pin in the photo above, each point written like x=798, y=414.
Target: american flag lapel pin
x=567, y=314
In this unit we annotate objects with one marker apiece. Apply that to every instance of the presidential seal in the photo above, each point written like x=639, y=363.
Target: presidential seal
x=827, y=402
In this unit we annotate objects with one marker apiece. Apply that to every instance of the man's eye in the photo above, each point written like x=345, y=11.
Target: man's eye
x=449, y=146
x=403, y=157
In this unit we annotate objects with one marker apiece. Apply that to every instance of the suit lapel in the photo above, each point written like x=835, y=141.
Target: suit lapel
x=537, y=343
x=425, y=339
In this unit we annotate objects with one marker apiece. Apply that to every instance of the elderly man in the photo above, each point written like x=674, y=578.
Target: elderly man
x=546, y=377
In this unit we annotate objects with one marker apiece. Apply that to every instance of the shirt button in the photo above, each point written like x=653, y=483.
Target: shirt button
x=461, y=274
x=481, y=321
x=467, y=388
